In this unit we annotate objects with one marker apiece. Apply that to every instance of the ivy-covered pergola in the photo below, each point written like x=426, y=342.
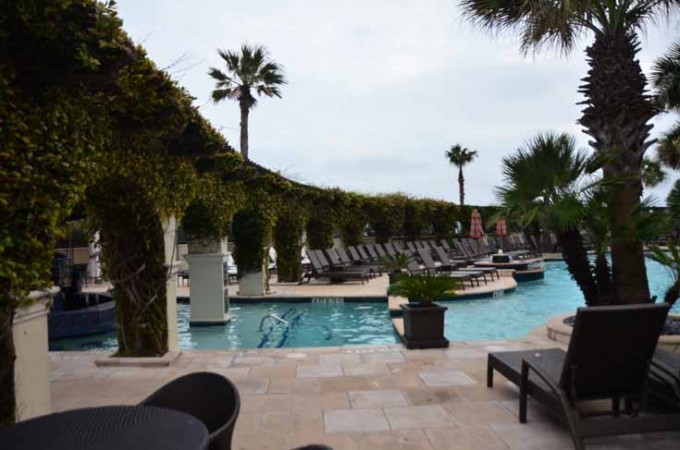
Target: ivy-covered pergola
x=87, y=118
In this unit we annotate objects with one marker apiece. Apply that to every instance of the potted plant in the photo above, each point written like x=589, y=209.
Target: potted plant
x=395, y=265
x=424, y=319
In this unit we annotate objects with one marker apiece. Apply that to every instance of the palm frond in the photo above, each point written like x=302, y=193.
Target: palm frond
x=666, y=77
x=668, y=150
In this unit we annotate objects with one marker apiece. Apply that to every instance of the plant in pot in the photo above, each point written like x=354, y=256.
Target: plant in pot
x=423, y=318
x=395, y=265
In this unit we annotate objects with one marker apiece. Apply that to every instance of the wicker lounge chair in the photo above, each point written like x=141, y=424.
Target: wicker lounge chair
x=209, y=397
x=608, y=358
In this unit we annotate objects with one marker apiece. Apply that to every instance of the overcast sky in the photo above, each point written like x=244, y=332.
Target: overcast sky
x=377, y=90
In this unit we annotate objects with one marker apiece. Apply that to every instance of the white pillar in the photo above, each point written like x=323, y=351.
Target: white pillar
x=32, y=366
x=209, y=299
x=255, y=284
x=170, y=241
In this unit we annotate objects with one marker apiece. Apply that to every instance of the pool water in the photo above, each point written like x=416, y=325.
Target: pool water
x=317, y=324
x=333, y=323
x=514, y=314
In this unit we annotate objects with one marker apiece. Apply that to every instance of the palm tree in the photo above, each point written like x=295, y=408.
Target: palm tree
x=617, y=108
x=543, y=183
x=249, y=72
x=666, y=81
x=459, y=157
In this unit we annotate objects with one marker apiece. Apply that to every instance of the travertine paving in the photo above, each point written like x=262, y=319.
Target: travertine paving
x=364, y=397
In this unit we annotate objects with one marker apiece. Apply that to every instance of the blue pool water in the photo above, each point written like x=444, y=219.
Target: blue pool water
x=507, y=316
x=513, y=315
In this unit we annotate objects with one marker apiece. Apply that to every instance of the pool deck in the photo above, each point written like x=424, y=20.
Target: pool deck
x=375, y=289
x=359, y=397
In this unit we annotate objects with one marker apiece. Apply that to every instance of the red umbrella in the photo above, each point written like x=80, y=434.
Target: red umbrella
x=501, y=230
x=476, y=230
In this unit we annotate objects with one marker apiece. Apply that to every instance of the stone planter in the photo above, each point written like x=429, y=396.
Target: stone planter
x=561, y=332
x=32, y=365
x=424, y=326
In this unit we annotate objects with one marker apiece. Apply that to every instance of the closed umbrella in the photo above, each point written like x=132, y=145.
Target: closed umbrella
x=501, y=230
x=476, y=229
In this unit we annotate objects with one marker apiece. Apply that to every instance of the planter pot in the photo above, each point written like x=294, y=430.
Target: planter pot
x=424, y=326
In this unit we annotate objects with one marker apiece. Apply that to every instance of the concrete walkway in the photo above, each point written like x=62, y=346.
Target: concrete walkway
x=363, y=397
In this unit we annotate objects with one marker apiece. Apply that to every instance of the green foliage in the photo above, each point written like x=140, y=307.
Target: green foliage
x=395, y=263
x=251, y=229
x=386, y=216
x=325, y=206
x=652, y=172
x=425, y=288
x=670, y=259
x=288, y=230
x=133, y=259
x=351, y=218
x=210, y=213
x=460, y=156
x=249, y=71
x=53, y=78
x=666, y=78
x=541, y=177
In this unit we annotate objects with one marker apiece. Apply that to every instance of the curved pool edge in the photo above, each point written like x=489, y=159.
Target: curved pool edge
x=559, y=331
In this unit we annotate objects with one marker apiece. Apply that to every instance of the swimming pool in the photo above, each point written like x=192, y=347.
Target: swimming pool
x=332, y=323
x=514, y=314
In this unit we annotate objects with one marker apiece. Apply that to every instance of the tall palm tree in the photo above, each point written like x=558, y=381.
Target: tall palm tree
x=666, y=81
x=460, y=157
x=617, y=108
x=249, y=72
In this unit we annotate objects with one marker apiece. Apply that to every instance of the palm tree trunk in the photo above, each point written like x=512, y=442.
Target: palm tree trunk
x=461, y=185
x=576, y=257
x=7, y=358
x=672, y=293
x=616, y=117
x=245, y=109
x=603, y=277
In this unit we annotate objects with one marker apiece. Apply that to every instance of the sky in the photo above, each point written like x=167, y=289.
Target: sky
x=378, y=90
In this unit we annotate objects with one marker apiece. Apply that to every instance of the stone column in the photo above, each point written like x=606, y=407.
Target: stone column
x=255, y=284
x=32, y=366
x=170, y=241
x=209, y=299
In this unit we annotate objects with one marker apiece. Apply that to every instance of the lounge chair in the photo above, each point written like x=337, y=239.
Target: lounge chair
x=447, y=259
x=472, y=276
x=415, y=268
x=320, y=268
x=372, y=253
x=209, y=397
x=608, y=358
x=348, y=262
x=380, y=250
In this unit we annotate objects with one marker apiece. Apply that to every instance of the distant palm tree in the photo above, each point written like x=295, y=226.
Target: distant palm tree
x=617, y=107
x=460, y=157
x=666, y=80
x=249, y=72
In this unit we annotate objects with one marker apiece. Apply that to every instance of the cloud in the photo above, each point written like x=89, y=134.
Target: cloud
x=377, y=90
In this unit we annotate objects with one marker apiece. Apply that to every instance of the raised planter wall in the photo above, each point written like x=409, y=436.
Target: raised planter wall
x=559, y=331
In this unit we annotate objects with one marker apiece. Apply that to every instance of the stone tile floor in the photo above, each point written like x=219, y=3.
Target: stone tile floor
x=364, y=397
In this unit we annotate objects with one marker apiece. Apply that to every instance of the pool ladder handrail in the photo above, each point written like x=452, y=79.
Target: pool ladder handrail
x=272, y=316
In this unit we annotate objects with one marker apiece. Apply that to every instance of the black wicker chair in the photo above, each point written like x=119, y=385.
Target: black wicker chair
x=207, y=396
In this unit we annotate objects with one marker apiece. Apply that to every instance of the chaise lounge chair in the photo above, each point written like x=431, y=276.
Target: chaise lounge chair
x=608, y=358
x=320, y=268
